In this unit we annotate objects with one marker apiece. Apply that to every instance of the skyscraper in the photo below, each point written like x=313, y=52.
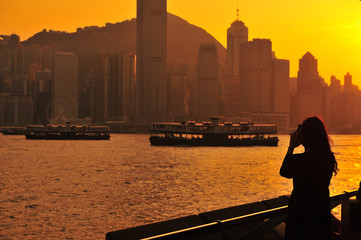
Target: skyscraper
x=257, y=83
x=256, y=77
x=151, y=89
x=309, y=80
x=237, y=35
x=208, y=84
x=348, y=83
x=65, y=86
x=114, y=81
x=311, y=97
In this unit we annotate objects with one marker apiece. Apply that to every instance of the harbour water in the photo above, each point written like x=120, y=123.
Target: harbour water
x=84, y=189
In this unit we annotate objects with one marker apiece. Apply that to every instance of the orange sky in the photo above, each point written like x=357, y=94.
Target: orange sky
x=330, y=30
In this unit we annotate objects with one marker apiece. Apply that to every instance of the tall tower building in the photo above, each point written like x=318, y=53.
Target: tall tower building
x=151, y=53
x=309, y=80
x=208, y=84
x=348, y=83
x=65, y=86
x=114, y=78
x=311, y=97
x=237, y=36
x=256, y=86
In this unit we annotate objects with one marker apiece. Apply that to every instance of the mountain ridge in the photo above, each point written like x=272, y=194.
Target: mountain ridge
x=183, y=41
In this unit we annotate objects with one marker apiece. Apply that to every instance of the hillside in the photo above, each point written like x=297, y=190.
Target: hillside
x=184, y=40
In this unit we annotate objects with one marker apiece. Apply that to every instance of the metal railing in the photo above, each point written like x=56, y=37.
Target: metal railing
x=271, y=217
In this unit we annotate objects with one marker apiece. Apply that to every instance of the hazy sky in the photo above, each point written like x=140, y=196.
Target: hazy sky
x=329, y=29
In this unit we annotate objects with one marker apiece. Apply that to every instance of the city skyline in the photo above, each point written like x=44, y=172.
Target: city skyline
x=329, y=30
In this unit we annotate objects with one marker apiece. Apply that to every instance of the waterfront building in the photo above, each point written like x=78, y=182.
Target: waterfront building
x=128, y=81
x=43, y=95
x=237, y=35
x=178, y=97
x=343, y=111
x=309, y=80
x=348, y=83
x=31, y=84
x=335, y=87
x=264, y=85
x=257, y=77
x=101, y=88
x=257, y=83
x=16, y=110
x=281, y=92
x=344, y=104
x=151, y=89
x=310, y=90
x=114, y=87
x=65, y=84
x=208, y=84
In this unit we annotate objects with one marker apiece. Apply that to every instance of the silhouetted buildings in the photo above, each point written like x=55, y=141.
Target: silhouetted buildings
x=348, y=83
x=16, y=102
x=311, y=98
x=178, y=97
x=65, y=90
x=42, y=95
x=344, y=106
x=257, y=83
x=263, y=79
x=16, y=110
x=338, y=105
x=122, y=86
x=151, y=89
x=237, y=36
x=114, y=87
x=281, y=92
x=208, y=83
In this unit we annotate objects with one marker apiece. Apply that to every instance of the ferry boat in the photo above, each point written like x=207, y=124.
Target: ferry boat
x=213, y=134
x=67, y=132
x=14, y=131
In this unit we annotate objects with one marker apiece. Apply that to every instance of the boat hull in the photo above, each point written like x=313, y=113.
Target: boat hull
x=163, y=141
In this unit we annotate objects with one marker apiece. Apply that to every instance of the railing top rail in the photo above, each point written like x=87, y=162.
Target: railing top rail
x=248, y=217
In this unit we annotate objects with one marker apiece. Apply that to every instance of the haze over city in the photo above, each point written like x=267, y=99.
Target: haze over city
x=193, y=105
x=330, y=30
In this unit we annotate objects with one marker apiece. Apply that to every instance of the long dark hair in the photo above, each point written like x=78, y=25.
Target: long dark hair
x=316, y=139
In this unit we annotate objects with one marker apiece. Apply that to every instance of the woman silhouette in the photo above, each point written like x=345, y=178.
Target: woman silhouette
x=309, y=212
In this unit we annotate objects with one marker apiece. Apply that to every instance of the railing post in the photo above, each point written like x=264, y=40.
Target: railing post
x=221, y=230
x=345, y=218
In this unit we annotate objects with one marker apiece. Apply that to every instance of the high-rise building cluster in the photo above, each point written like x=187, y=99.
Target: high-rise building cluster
x=41, y=84
x=113, y=89
x=24, y=80
x=257, y=83
x=338, y=105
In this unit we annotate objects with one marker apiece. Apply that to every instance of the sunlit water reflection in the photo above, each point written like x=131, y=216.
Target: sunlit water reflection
x=84, y=189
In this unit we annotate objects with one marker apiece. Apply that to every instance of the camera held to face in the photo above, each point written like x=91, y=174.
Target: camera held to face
x=299, y=133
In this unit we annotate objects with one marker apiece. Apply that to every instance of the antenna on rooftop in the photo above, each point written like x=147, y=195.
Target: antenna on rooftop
x=237, y=10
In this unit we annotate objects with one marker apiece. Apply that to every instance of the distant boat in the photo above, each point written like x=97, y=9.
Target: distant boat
x=14, y=131
x=68, y=132
x=213, y=134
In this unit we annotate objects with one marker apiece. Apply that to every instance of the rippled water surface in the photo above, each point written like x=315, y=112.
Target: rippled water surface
x=84, y=189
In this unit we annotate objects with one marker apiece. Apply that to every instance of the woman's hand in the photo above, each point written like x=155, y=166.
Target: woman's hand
x=294, y=140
